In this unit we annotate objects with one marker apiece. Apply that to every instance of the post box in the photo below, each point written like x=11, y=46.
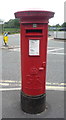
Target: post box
x=34, y=34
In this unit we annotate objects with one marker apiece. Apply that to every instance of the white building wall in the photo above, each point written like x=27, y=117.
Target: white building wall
x=60, y=35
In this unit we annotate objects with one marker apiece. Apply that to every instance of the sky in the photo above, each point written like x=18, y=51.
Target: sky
x=9, y=7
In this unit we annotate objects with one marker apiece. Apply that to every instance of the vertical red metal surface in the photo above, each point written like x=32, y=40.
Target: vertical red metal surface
x=33, y=66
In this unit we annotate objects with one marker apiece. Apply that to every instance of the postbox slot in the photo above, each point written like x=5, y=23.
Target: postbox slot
x=34, y=31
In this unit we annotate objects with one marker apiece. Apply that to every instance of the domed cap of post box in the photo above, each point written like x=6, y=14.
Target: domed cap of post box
x=34, y=16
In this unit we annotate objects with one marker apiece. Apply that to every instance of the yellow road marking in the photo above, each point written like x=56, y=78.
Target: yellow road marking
x=19, y=82
x=49, y=85
x=10, y=81
x=14, y=81
x=4, y=84
x=62, y=83
x=9, y=89
x=55, y=88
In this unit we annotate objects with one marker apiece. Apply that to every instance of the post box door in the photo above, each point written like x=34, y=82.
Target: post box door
x=34, y=65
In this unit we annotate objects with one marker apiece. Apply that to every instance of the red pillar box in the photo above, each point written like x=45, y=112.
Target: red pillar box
x=34, y=34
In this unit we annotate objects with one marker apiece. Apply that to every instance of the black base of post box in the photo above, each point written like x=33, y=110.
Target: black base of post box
x=33, y=104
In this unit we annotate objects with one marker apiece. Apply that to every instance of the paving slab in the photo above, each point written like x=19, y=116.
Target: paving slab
x=11, y=107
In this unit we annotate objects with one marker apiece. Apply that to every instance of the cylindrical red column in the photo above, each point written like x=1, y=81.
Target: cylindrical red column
x=34, y=33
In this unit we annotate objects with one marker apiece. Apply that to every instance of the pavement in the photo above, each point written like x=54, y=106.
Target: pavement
x=10, y=81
